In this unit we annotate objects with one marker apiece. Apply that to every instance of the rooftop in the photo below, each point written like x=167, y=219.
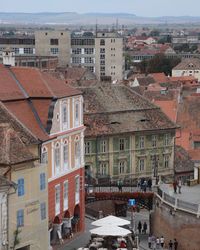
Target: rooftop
x=188, y=64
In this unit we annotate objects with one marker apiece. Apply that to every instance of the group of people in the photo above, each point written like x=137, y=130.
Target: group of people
x=177, y=184
x=142, y=228
x=143, y=184
x=159, y=243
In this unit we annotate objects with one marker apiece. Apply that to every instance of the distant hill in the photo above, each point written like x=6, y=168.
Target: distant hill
x=88, y=18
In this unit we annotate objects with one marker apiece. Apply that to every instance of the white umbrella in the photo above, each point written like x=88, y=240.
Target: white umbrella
x=110, y=231
x=110, y=220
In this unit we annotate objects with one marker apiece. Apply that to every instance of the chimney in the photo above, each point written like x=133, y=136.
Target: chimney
x=8, y=57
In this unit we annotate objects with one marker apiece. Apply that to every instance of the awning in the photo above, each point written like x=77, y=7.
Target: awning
x=110, y=231
x=111, y=220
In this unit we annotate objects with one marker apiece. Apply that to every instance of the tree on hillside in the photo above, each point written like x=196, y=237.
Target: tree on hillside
x=159, y=63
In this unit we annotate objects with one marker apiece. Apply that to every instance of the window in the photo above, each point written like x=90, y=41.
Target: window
x=53, y=41
x=91, y=68
x=102, y=50
x=20, y=218
x=87, y=147
x=16, y=51
x=102, y=68
x=42, y=181
x=89, y=51
x=43, y=211
x=77, y=188
x=102, y=56
x=166, y=139
x=103, y=168
x=65, y=195
x=77, y=111
x=64, y=116
x=166, y=161
x=122, y=167
x=28, y=50
x=102, y=62
x=76, y=60
x=57, y=157
x=102, y=42
x=141, y=142
x=20, y=183
x=154, y=141
x=76, y=51
x=54, y=51
x=122, y=144
x=44, y=156
x=89, y=60
x=103, y=146
x=57, y=199
x=65, y=155
x=141, y=165
x=77, y=153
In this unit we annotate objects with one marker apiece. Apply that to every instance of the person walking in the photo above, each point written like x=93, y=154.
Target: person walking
x=149, y=183
x=144, y=228
x=139, y=227
x=153, y=242
x=175, y=244
x=119, y=184
x=162, y=241
x=175, y=186
x=179, y=185
x=170, y=245
x=149, y=241
x=157, y=243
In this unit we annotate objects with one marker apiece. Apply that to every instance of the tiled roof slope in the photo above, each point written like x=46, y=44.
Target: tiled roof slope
x=183, y=161
x=188, y=64
x=13, y=150
x=113, y=109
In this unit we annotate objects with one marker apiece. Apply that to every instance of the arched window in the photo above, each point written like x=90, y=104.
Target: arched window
x=65, y=155
x=64, y=116
x=44, y=155
x=77, y=152
x=57, y=158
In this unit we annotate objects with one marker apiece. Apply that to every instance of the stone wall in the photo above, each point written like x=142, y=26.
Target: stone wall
x=172, y=224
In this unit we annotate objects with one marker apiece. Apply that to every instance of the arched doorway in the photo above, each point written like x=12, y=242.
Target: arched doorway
x=67, y=225
x=76, y=219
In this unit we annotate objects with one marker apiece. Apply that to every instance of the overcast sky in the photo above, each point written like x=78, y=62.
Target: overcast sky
x=138, y=7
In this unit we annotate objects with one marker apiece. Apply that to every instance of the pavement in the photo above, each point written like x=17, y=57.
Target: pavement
x=189, y=194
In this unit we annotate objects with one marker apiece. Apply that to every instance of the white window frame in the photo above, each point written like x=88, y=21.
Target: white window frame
x=65, y=163
x=77, y=151
x=141, y=164
x=103, y=168
x=65, y=195
x=122, y=167
x=88, y=147
x=103, y=146
x=65, y=122
x=77, y=189
x=44, y=155
x=77, y=119
x=122, y=144
x=154, y=141
x=57, y=167
x=142, y=142
x=57, y=199
x=166, y=161
x=167, y=138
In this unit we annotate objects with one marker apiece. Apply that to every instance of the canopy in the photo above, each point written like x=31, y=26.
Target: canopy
x=110, y=231
x=110, y=220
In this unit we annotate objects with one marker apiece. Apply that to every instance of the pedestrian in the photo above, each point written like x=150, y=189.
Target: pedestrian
x=144, y=228
x=157, y=243
x=179, y=185
x=175, y=186
x=139, y=227
x=119, y=184
x=170, y=245
x=153, y=242
x=149, y=241
x=162, y=241
x=139, y=184
x=175, y=244
x=145, y=186
x=149, y=183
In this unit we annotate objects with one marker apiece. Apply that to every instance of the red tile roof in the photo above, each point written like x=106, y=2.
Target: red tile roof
x=169, y=107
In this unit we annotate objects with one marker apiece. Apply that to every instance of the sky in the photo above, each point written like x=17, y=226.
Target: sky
x=138, y=7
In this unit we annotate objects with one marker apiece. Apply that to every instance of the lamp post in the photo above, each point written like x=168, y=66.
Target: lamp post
x=132, y=204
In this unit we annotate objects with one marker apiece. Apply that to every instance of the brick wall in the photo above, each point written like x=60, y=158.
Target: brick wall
x=183, y=226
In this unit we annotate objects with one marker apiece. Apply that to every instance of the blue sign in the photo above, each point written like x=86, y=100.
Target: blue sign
x=131, y=202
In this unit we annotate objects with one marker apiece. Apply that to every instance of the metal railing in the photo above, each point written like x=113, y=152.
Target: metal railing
x=177, y=203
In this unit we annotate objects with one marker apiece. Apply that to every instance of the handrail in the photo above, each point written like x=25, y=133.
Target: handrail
x=177, y=203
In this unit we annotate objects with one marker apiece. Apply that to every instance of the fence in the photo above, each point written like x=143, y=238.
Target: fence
x=178, y=203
